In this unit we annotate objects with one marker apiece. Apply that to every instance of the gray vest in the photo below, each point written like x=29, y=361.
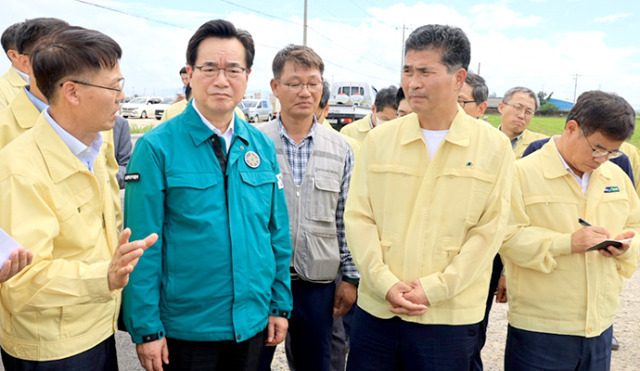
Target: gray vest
x=312, y=205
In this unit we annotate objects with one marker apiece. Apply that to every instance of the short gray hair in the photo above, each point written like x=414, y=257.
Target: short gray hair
x=521, y=89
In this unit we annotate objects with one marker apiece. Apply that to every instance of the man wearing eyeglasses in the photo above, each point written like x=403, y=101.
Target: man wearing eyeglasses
x=517, y=109
x=563, y=298
x=473, y=95
x=316, y=165
x=209, y=184
x=60, y=199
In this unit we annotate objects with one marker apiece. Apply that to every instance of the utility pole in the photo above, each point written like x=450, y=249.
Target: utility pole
x=575, y=87
x=478, y=68
x=402, y=57
x=304, y=37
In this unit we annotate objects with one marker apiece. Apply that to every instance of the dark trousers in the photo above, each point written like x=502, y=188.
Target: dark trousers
x=496, y=272
x=530, y=350
x=214, y=355
x=338, y=346
x=101, y=357
x=394, y=344
x=309, y=327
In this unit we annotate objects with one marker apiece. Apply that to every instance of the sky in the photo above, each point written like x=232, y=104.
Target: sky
x=564, y=47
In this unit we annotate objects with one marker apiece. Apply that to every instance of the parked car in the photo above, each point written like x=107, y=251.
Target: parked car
x=256, y=109
x=160, y=107
x=139, y=107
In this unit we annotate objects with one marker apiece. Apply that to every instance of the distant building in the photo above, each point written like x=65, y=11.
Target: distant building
x=562, y=105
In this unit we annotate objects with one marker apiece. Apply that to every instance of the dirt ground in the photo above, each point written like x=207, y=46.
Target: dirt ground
x=626, y=330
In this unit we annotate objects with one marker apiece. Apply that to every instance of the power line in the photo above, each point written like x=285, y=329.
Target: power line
x=309, y=27
x=133, y=15
x=263, y=45
x=260, y=12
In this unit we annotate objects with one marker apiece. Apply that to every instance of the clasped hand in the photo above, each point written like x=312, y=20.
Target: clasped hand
x=408, y=299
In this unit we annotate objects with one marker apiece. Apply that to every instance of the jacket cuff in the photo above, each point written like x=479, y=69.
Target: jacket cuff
x=274, y=311
x=384, y=282
x=147, y=338
x=561, y=245
x=434, y=289
x=99, y=291
x=354, y=281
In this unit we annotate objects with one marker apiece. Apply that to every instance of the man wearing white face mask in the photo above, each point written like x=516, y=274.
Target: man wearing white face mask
x=383, y=110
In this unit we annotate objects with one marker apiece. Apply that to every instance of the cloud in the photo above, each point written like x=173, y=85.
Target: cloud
x=368, y=50
x=612, y=18
x=499, y=17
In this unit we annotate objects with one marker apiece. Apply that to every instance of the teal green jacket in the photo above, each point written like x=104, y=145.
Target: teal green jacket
x=221, y=264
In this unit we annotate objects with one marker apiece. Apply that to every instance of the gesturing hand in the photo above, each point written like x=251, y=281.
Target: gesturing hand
x=126, y=257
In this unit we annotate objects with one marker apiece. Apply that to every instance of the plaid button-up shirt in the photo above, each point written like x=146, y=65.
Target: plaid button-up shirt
x=298, y=156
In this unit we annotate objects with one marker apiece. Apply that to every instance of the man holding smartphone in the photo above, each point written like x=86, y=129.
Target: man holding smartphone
x=563, y=298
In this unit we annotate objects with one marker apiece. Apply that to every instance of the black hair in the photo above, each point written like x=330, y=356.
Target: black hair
x=451, y=41
x=221, y=29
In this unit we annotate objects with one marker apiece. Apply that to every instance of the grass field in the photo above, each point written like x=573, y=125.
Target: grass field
x=555, y=125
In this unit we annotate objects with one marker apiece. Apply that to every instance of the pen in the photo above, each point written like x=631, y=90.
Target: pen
x=584, y=222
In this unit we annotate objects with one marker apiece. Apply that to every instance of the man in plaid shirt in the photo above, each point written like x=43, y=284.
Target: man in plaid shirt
x=315, y=163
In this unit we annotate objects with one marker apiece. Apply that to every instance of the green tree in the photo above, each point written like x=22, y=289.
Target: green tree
x=545, y=105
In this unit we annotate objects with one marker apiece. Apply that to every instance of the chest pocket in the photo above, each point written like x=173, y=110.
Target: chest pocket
x=81, y=220
x=192, y=180
x=260, y=190
x=189, y=193
x=471, y=188
x=323, y=199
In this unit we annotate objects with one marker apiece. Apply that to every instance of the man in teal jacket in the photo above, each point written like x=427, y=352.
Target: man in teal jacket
x=209, y=184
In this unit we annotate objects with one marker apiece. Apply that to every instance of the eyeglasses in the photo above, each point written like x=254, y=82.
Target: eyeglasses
x=521, y=108
x=601, y=152
x=118, y=90
x=462, y=102
x=296, y=87
x=232, y=72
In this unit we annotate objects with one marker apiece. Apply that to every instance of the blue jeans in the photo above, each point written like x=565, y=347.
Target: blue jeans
x=530, y=350
x=394, y=344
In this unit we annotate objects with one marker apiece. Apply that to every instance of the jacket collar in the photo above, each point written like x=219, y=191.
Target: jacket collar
x=200, y=133
x=58, y=158
x=24, y=111
x=364, y=125
x=459, y=134
x=557, y=169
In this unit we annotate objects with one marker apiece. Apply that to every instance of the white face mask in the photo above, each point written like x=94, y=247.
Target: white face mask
x=380, y=121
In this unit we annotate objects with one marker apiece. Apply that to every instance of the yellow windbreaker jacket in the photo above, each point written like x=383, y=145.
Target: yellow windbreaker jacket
x=441, y=220
x=67, y=216
x=550, y=289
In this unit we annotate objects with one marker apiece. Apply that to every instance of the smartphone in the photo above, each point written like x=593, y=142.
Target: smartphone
x=604, y=244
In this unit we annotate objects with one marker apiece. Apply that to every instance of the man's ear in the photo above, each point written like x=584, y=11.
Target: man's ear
x=460, y=75
x=69, y=92
x=572, y=126
x=482, y=107
x=274, y=87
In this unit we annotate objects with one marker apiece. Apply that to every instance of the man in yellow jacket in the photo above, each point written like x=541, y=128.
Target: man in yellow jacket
x=517, y=109
x=21, y=114
x=383, y=110
x=426, y=215
x=12, y=81
x=562, y=296
x=60, y=200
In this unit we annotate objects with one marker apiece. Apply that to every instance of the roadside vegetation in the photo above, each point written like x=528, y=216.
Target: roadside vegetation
x=555, y=125
x=135, y=129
